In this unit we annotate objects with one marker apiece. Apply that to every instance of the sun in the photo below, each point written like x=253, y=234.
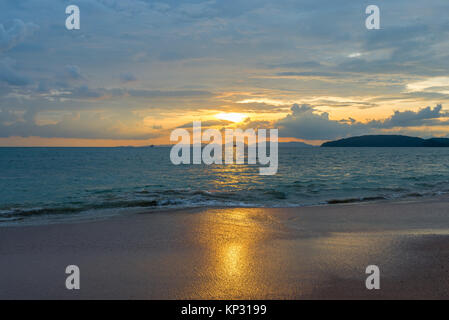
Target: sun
x=231, y=116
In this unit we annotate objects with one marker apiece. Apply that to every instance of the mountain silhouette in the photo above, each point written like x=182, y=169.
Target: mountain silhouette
x=387, y=141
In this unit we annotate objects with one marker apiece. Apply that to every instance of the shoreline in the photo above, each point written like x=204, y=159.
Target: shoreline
x=84, y=217
x=318, y=252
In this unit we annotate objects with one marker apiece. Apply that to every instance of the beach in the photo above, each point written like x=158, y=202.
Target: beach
x=317, y=252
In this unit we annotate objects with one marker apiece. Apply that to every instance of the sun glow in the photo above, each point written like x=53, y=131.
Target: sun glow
x=232, y=116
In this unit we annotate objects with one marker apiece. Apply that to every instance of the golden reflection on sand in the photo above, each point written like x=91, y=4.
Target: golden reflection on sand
x=229, y=266
x=258, y=254
x=232, y=259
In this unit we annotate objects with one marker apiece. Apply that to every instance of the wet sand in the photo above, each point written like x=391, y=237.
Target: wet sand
x=234, y=253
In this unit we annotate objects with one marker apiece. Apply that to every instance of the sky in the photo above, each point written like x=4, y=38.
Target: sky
x=138, y=69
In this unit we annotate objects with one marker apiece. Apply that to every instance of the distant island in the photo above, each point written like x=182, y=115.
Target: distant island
x=387, y=141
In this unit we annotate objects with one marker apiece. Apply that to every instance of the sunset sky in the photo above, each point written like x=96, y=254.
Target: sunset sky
x=138, y=69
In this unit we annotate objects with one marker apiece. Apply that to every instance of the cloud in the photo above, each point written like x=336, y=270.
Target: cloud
x=83, y=125
x=127, y=77
x=170, y=56
x=304, y=122
x=207, y=123
x=8, y=116
x=424, y=116
x=9, y=75
x=308, y=74
x=298, y=64
x=226, y=51
x=14, y=33
x=85, y=92
x=73, y=72
x=167, y=93
x=435, y=84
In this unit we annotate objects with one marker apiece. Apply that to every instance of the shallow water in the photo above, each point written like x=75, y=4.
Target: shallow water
x=44, y=184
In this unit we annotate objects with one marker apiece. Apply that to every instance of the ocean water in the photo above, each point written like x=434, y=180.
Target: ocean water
x=43, y=185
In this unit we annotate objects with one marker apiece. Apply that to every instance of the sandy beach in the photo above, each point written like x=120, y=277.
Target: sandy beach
x=236, y=253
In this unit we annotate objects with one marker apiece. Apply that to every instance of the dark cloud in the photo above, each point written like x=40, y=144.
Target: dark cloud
x=73, y=72
x=9, y=75
x=304, y=122
x=15, y=32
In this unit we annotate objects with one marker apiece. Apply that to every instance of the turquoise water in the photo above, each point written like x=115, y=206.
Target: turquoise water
x=39, y=185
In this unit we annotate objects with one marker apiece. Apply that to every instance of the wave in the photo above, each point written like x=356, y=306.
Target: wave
x=353, y=200
x=148, y=200
x=166, y=199
x=390, y=197
x=20, y=213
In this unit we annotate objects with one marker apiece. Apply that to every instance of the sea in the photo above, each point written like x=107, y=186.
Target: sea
x=48, y=185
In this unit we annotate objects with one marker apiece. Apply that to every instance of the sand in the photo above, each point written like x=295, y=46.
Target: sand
x=236, y=253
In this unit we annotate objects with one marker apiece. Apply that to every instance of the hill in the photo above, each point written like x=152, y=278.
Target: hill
x=387, y=141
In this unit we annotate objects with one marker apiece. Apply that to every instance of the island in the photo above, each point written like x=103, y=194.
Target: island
x=387, y=141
